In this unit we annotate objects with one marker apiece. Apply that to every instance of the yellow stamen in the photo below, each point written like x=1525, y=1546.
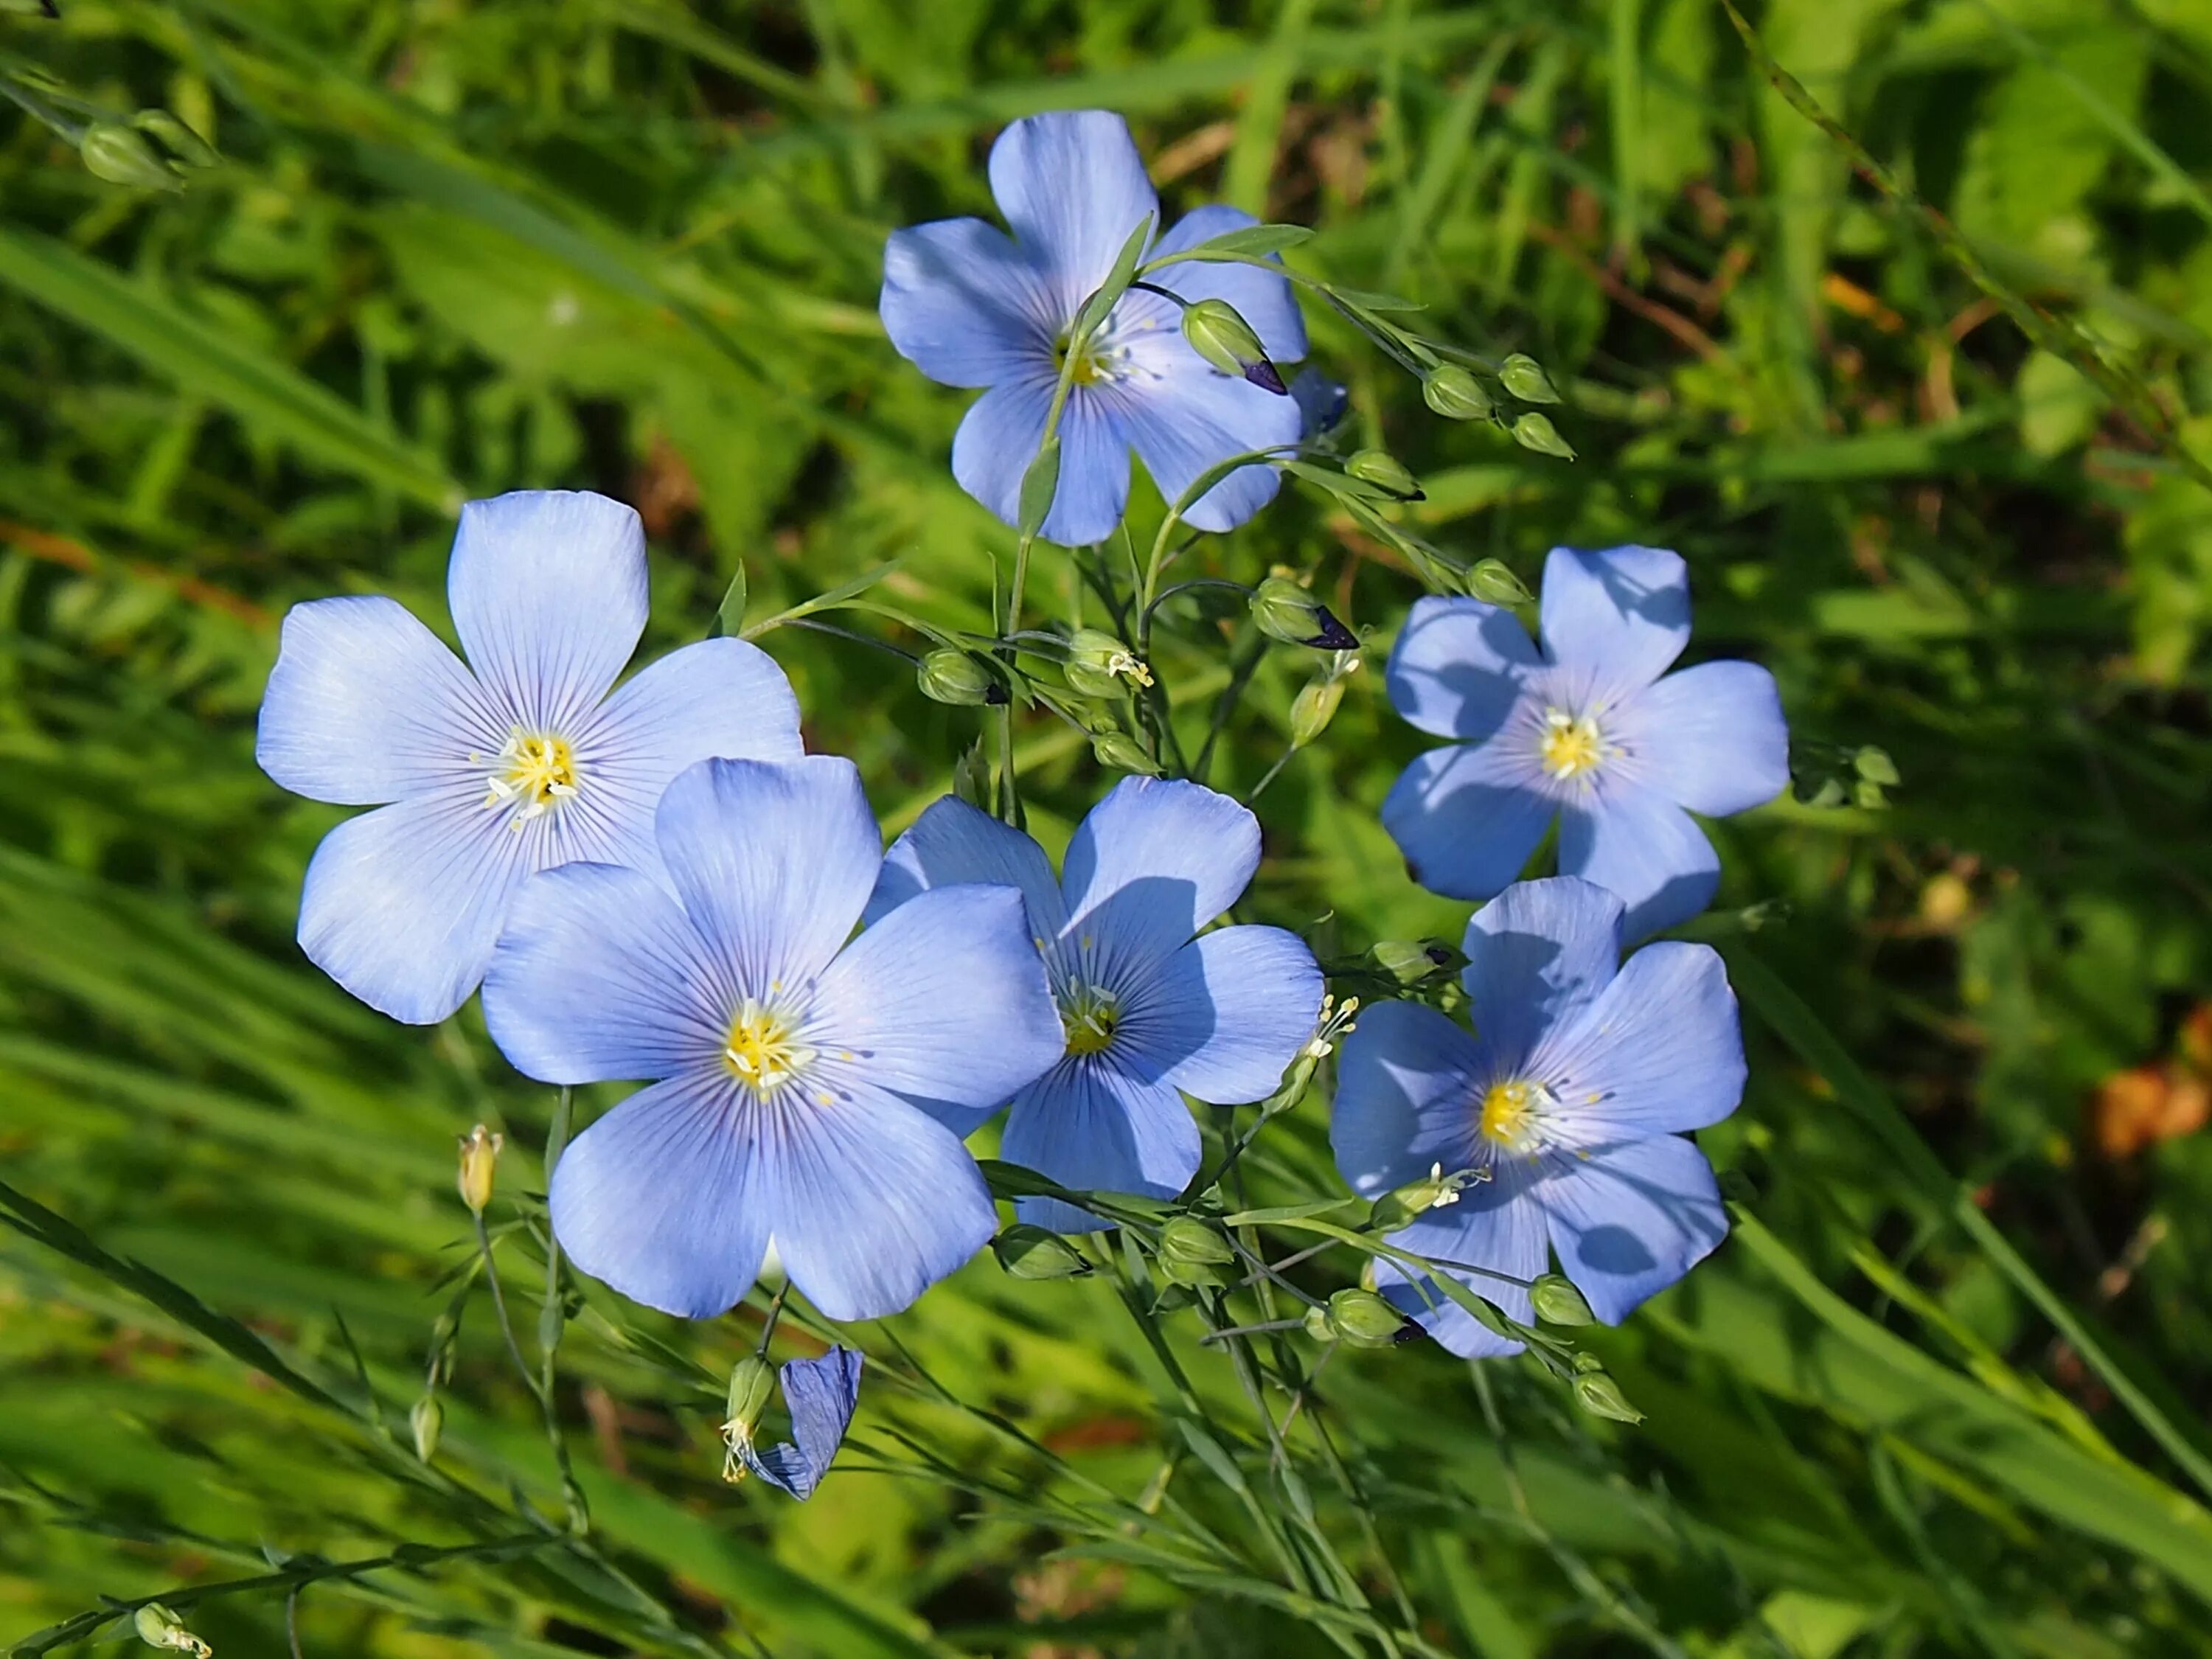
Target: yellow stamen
x=1506, y=1108
x=763, y=1050
x=1570, y=744
x=533, y=774
x=1090, y=1018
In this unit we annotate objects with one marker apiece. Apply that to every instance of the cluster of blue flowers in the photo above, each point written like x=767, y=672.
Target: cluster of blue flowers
x=654, y=884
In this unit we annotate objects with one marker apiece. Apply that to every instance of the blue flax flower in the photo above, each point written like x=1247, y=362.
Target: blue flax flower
x=1584, y=729
x=802, y=1084
x=485, y=773
x=1562, y=1113
x=820, y=1394
x=969, y=307
x=1150, y=1013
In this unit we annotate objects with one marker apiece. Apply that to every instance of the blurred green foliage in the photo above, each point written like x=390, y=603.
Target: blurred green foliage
x=458, y=246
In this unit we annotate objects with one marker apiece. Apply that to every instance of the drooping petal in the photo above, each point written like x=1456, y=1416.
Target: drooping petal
x=965, y=305
x=945, y=1001
x=548, y=590
x=1263, y=299
x=1152, y=863
x=716, y=699
x=660, y=1197
x=402, y=905
x=1494, y=1226
x=1613, y=619
x=952, y=842
x=366, y=705
x=773, y=860
x=1457, y=670
x=1186, y=416
x=1659, y=1051
x=869, y=1202
x=1466, y=817
x=1405, y=1099
x=1225, y=1015
x=1537, y=955
x=1711, y=738
x=820, y=1394
x=1628, y=838
x=600, y=977
x=998, y=438
x=1073, y=187
x=1632, y=1219
x=1091, y=1127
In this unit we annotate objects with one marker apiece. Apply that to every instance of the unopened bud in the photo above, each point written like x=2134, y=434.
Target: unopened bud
x=113, y=151
x=1385, y=471
x=1365, y=1321
x=1124, y=754
x=1030, y=1252
x=428, y=1420
x=1317, y=1325
x=1876, y=767
x=1536, y=432
x=186, y=145
x=1219, y=334
x=1524, y=377
x=158, y=1627
x=1313, y=708
x=479, y=1159
x=1286, y=611
x=950, y=675
x=1410, y=961
x=1455, y=394
x=1596, y=1393
x=1493, y=582
x=1187, y=1240
x=1557, y=1302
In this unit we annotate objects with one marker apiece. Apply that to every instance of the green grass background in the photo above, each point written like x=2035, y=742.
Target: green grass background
x=455, y=248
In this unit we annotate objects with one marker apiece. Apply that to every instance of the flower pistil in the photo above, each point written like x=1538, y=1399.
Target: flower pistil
x=533, y=774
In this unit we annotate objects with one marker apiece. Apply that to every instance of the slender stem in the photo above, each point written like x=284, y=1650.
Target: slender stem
x=551, y=1319
x=499, y=1303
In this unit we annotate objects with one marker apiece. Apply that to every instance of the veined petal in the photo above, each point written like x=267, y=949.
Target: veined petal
x=965, y=305
x=1090, y=1126
x=1628, y=837
x=1263, y=299
x=1458, y=668
x=1466, y=817
x=366, y=705
x=1226, y=1014
x=1660, y=1050
x=600, y=977
x=1152, y=863
x=1186, y=416
x=1495, y=1225
x=944, y=1001
x=999, y=439
x=1073, y=187
x=773, y=862
x=871, y=1203
x=953, y=843
x=1538, y=955
x=1613, y=619
x=402, y=905
x=1405, y=1097
x=1711, y=738
x=820, y=1394
x=1632, y=1219
x=548, y=592
x=661, y=1197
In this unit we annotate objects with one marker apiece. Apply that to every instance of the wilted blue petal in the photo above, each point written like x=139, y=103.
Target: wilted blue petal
x=1152, y=863
x=366, y=705
x=661, y=1197
x=1458, y=668
x=1660, y=1050
x=1632, y=1219
x=1073, y=186
x=999, y=439
x=1613, y=619
x=1711, y=737
x=773, y=862
x=600, y=977
x=548, y=590
x=1494, y=1226
x=1538, y=955
x=1628, y=838
x=1091, y=1127
x=1264, y=299
x=1466, y=817
x=966, y=306
x=952, y=842
x=1225, y=1015
x=1186, y=416
x=1404, y=1084
x=820, y=1396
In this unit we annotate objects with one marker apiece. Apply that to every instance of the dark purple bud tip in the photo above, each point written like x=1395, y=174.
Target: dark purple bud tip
x=1331, y=634
x=1265, y=375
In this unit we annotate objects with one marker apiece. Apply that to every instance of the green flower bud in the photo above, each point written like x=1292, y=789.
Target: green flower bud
x=752, y=1381
x=1286, y=611
x=1868, y=796
x=1124, y=754
x=1386, y=472
x=1190, y=1242
x=1493, y=583
x=1031, y=1252
x=158, y=1627
x=1831, y=793
x=1876, y=766
x=1524, y=377
x=1317, y=1325
x=1365, y=1321
x=1455, y=394
x=479, y=1162
x=428, y=1420
x=950, y=675
x=1313, y=708
x=112, y=151
x=1558, y=1303
x=184, y=143
x=1410, y=961
x=1219, y=334
x=1536, y=432
x=1596, y=1393
x=1098, y=663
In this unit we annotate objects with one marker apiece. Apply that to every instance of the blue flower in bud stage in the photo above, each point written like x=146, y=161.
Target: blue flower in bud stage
x=970, y=306
x=820, y=1394
x=1584, y=729
x=803, y=1084
x=517, y=761
x=1151, y=1014
x=1566, y=1105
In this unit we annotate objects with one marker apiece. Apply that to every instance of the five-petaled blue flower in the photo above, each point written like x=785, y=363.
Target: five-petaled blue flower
x=970, y=307
x=803, y=1084
x=485, y=774
x=1565, y=1107
x=820, y=1394
x=1150, y=1012
x=1583, y=728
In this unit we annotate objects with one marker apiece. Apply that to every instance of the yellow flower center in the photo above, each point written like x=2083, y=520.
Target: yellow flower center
x=533, y=774
x=763, y=1050
x=1507, y=1111
x=1571, y=745
x=1090, y=1018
